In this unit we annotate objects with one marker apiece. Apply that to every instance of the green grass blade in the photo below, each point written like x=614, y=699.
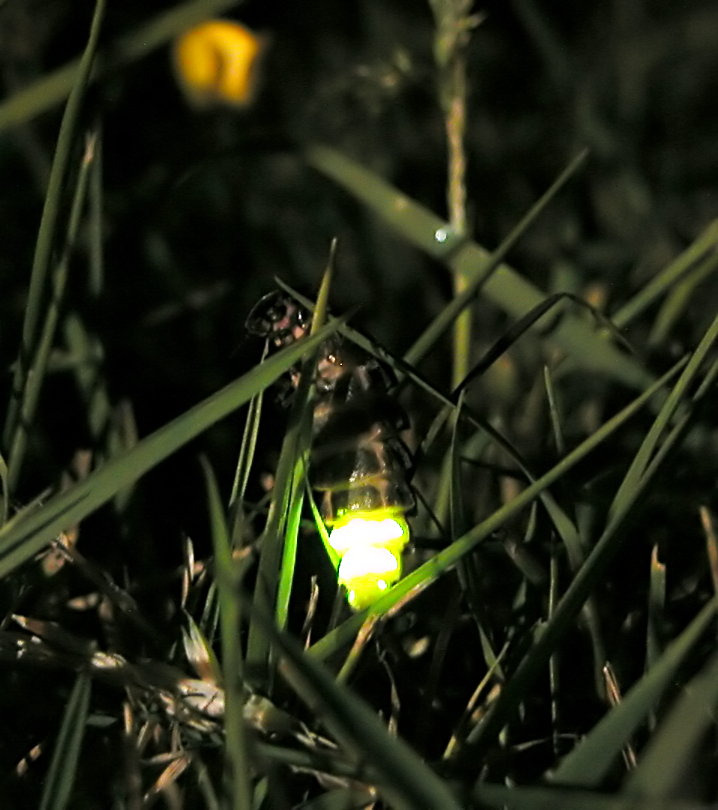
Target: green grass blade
x=667, y=278
x=506, y=288
x=597, y=562
x=305, y=414
x=423, y=576
x=401, y=775
x=245, y=460
x=4, y=492
x=674, y=307
x=289, y=549
x=36, y=374
x=49, y=220
x=665, y=766
x=648, y=447
x=25, y=535
x=276, y=546
x=278, y=552
x=656, y=613
x=95, y=232
x=588, y=764
x=61, y=775
x=246, y=451
x=476, y=279
x=237, y=782
x=49, y=91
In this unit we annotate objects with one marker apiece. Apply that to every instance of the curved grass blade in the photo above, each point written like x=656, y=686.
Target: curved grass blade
x=49, y=91
x=61, y=775
x=423, y=576
x=506, y=288
x=25, y=534
x=49, y=221
x=589, y=763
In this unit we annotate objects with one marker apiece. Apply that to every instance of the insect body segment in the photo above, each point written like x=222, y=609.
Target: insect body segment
x=358, y=464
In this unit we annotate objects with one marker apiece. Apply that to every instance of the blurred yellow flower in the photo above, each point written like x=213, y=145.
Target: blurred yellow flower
x=216, y=63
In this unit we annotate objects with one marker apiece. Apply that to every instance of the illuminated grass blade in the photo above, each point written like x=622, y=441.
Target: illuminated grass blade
x=305, y=416
x=423, y=576
x=506, y=288
x=279, y=538
x=26, y=534
x=49, y=91
x=49, y=222
x=589, y=763
x=61, y=776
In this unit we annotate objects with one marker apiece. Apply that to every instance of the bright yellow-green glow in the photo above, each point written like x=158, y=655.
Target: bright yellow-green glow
x=370, y=551
x=216, y=63
x=368, y=532
x=366, y=572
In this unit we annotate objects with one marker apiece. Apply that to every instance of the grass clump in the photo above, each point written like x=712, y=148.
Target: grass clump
x=171, y=629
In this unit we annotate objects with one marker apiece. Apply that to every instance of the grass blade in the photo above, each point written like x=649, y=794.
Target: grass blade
x=668, y=277
x=596, y=563
x=237, y=783
x=588, y=764
x=624, y=496
x=25, y=535
x=403, y=777
x=49, y=220
x=36, y=373
x=61, y=775
x=665, y=767
x=506, y=288
x=423, y=576
x=279, y=539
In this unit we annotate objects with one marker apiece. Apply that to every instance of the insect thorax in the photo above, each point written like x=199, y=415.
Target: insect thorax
x=358, y=462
